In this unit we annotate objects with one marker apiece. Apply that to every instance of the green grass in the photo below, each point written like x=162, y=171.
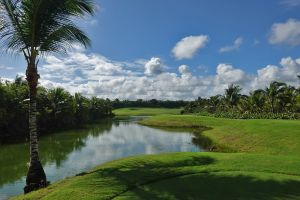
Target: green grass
x=184, y=176
x=265, y=165
x=145, y=111
x=276, y=137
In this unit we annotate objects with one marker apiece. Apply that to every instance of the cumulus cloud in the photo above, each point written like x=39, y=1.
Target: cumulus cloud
x=287, y=72
x=187, y=47
x=286, y=33
x=227, y=73
x=95, y=75
x=184, y=69
x=235, y=46
x=154, y=66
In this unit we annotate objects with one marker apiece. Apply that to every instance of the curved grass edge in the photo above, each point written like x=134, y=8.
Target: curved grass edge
x=274, y=137
x=116, y=178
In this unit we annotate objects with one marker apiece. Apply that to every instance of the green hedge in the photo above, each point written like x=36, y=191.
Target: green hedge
x=236, y=115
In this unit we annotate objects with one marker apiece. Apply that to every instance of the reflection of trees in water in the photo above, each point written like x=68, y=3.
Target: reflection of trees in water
x=200, y=140
x=54, y=148
x=13, y=159
x=57, y=148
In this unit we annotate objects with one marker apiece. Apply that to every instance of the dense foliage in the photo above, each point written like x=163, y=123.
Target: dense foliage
x=277, y=101
x=153, y=103
x=57, y=109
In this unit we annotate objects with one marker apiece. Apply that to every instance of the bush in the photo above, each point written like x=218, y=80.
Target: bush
x=247, y=115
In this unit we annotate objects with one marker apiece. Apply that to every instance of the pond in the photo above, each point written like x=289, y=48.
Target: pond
x=68, y=153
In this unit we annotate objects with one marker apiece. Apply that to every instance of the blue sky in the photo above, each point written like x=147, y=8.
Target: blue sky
x=235, y=37
x=132, y=29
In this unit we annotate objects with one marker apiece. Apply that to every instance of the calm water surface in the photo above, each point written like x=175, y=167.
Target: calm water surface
x=69, y=153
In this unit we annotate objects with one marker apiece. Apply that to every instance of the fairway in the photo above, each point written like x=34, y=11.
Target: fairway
x=276, y=137
x=145, y=111
x=184, y=176
x=262, y=162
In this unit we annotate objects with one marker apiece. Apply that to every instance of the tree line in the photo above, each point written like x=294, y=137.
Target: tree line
x=277, y=101
x=57, y=109
x=152, y=103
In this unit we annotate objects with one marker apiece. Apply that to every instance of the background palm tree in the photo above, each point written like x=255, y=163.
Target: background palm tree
x=257, y=100
x=232, y=95
x=34, y=28
x=273, y=91
x=214, y=101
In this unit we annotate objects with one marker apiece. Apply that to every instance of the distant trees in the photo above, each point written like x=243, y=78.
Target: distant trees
x=152, y=103
x=56, y=109
x=278, y=100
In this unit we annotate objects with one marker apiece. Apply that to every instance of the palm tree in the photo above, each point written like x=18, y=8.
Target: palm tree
x=232, y=95
x=213, y=102
x=273, y=92
x=34, y=28
x=82, y=108
x=257, y=100
x=287, y=99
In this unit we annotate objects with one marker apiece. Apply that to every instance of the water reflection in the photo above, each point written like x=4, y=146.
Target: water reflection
x=69, y=153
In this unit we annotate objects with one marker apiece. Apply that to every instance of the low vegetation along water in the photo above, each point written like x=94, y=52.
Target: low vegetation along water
x=69, y=153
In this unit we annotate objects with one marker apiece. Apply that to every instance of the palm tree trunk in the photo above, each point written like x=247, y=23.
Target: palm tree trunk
x=36, y=177
x=272, y=106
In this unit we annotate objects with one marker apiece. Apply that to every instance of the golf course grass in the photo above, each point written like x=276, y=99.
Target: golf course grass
x=145, y=111
x=276, y=137
x=263, y=163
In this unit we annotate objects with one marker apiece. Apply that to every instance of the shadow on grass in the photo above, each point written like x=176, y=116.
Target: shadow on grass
x=182, y=180
x=214, y=186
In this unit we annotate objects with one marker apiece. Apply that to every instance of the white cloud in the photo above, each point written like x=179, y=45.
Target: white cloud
x=235, y=46
x=154, y=66
x=286, y=33
x=287, y=72
x=228, y=74
x=95, y=75
x=187, y=47
x=291, y=3
x=184, y=69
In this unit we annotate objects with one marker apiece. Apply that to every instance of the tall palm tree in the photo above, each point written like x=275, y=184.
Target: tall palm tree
x=34, y=28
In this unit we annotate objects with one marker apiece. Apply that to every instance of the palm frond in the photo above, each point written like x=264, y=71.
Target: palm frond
x=42, y=25
x=11, y=32
x=63, y=38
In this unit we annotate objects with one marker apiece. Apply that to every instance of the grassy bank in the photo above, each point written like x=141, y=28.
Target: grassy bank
x=265, y=165
x=145, y=111
x=277, y=137
x=184, y=176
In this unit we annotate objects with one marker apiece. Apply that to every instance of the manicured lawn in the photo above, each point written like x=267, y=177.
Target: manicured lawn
x=276, y=137
x=145, y=111
x=264, y=163
x=184, y=176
